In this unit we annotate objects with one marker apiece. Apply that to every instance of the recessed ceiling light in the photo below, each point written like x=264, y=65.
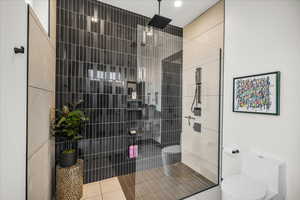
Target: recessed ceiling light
x=177, y=3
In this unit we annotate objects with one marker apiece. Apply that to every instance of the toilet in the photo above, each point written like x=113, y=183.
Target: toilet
x=170, y=155
x=260, y=179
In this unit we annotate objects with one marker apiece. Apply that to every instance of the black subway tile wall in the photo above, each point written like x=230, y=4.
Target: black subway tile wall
x=171, y=99
x=97, y=62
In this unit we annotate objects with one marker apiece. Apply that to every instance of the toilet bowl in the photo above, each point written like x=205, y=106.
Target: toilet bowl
x=170, y=155
x=260, y=179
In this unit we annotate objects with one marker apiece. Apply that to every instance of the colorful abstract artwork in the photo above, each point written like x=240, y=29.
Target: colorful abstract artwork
x=257, y=93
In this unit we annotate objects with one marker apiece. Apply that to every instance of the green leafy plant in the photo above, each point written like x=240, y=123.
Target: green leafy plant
x=68, y=151
x=68, y=122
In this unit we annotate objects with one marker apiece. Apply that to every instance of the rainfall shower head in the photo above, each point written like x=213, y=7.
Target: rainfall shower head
x=159, y=21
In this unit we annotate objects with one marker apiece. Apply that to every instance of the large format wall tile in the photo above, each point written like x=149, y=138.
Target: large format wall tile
x=53, y=22
x=210, y=112
x=204, y=144
x=207, y=47
x=208, y=20
x=39, y=174
x=39, y=104
x=41, y=98
x=41, y=57
x=200, y=165
x=202, y=41
x=210, y=79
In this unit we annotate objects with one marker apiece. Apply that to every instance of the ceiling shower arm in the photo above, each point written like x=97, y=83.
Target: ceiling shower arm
x=159, y=1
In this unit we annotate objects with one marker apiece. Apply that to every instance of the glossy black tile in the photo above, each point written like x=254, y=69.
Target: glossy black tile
x=96, y=57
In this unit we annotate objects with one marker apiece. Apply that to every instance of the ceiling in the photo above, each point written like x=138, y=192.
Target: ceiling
x=181, y=16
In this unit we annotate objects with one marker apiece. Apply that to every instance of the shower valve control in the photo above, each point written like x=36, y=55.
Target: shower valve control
x=189, y=119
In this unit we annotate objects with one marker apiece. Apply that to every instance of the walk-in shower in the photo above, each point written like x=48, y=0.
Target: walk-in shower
x=130, y=77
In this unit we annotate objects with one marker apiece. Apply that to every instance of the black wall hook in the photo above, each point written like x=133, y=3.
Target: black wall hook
x=19, y=50
x=236, y=151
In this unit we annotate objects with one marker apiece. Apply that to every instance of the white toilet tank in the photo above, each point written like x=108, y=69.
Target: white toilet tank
x=266, y=170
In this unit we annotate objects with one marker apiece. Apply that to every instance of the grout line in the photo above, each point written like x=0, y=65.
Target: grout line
x=38, y=149
x=100, y=187
x=209, y=29
x=43, y=89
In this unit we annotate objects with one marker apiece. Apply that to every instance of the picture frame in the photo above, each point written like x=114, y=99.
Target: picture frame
x=257, y=94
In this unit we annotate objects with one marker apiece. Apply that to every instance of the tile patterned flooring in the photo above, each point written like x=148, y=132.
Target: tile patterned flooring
x=152, y=184
x=108, y=189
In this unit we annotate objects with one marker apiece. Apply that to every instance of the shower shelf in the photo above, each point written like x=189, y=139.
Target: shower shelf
x=134, y=100
x=134, y=109
x=137, y=135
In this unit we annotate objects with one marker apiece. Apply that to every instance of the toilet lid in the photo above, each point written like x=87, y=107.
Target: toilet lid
x=242, y=187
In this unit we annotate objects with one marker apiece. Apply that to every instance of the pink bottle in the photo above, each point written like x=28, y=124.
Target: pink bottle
x=131, y=151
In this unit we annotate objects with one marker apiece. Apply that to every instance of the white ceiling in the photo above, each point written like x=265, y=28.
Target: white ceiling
x=182, y=16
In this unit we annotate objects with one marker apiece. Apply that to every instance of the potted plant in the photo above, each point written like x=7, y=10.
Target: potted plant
x=67, y=128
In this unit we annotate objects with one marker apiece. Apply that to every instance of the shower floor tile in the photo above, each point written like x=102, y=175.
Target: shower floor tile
x=153, y=184
x=110, y=185
x=91, y=190
x=150, y=184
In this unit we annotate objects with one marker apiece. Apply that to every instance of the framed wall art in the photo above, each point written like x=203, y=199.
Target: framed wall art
x=258, y=94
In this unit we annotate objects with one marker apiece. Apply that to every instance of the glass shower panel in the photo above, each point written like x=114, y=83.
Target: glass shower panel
x=159, y=67
x=130, y=78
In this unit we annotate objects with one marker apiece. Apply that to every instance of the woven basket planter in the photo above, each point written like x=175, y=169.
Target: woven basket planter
x=69, y=182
